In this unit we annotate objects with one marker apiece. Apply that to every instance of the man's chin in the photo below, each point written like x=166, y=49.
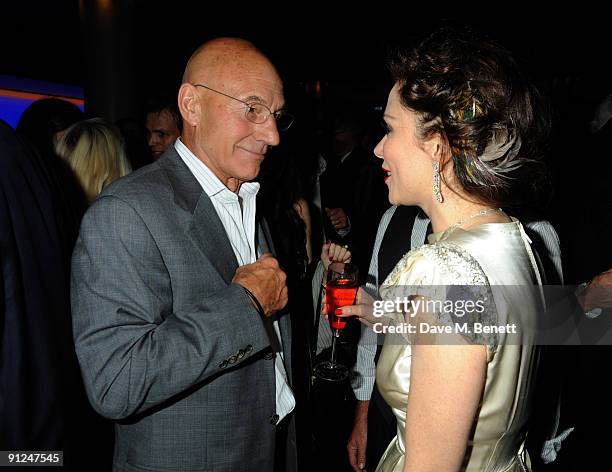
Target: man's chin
x=250, y=177
x=253, y=172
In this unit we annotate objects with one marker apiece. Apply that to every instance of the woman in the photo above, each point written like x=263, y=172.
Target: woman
x=95, y=152
x=462, y=135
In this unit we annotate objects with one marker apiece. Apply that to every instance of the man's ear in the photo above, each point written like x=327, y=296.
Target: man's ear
x=189, y=104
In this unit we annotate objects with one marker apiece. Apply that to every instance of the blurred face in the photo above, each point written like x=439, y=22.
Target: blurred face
x=231, y=146
x=162, y=132
x=407, y=166
x=344, y=142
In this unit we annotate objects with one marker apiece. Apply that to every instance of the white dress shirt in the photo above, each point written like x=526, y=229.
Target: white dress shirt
x=237, y=214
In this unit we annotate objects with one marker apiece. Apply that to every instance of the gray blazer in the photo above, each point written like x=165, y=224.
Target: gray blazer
x=168, y=346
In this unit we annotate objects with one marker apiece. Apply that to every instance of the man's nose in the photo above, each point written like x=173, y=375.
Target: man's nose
x=268, y=132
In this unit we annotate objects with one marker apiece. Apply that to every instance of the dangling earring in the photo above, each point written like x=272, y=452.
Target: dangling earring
x=436, y=182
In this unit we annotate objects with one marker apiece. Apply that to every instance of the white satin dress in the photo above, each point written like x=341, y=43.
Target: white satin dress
x=496, y=256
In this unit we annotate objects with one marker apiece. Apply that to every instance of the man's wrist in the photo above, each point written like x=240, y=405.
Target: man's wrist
x=254, y=302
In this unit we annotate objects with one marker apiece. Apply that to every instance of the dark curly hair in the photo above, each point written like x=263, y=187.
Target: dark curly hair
x=472, y=93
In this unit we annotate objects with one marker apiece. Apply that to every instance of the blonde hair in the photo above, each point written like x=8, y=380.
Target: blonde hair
x=95, y=151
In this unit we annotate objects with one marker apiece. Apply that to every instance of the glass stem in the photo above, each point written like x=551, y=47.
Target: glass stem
x=335, y=336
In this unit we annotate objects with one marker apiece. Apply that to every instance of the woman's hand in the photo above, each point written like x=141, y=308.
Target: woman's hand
x=332, y=252
x=363, y=309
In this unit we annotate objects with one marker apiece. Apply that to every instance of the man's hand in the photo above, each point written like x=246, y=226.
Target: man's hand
x=337, y=217
x=358, y=440
x=266, y=280
x=598, y=293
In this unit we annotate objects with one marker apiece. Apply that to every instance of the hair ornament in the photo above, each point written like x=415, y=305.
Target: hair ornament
x=501, y=151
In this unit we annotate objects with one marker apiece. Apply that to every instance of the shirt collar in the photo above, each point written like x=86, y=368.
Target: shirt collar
x=208, y=180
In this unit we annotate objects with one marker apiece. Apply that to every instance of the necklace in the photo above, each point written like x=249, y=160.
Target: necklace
x=481, y=212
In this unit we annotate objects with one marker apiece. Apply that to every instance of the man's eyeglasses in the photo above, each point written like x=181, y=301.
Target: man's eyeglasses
x=258, y=112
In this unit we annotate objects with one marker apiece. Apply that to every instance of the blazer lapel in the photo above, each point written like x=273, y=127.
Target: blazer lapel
x=209, y=236
x=204, y=228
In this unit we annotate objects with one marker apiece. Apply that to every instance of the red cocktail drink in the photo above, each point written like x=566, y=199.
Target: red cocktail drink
x=339, y=292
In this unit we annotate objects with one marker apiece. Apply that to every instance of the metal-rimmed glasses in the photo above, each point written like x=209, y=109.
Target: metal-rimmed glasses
x=258, y=112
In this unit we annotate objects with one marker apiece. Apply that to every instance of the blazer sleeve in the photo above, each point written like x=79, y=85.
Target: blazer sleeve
x=134, y=349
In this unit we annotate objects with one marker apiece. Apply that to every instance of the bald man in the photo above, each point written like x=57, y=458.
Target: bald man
x=177, y=301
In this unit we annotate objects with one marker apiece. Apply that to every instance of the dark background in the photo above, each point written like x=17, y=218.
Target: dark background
x=131, y=49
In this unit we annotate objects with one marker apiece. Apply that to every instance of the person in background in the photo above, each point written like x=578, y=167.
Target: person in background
x=589, y=212
x=164, y=125
x=43, y=406
x=45, y=120
x=41, y=126
x=95, y=152
x=350, y=193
